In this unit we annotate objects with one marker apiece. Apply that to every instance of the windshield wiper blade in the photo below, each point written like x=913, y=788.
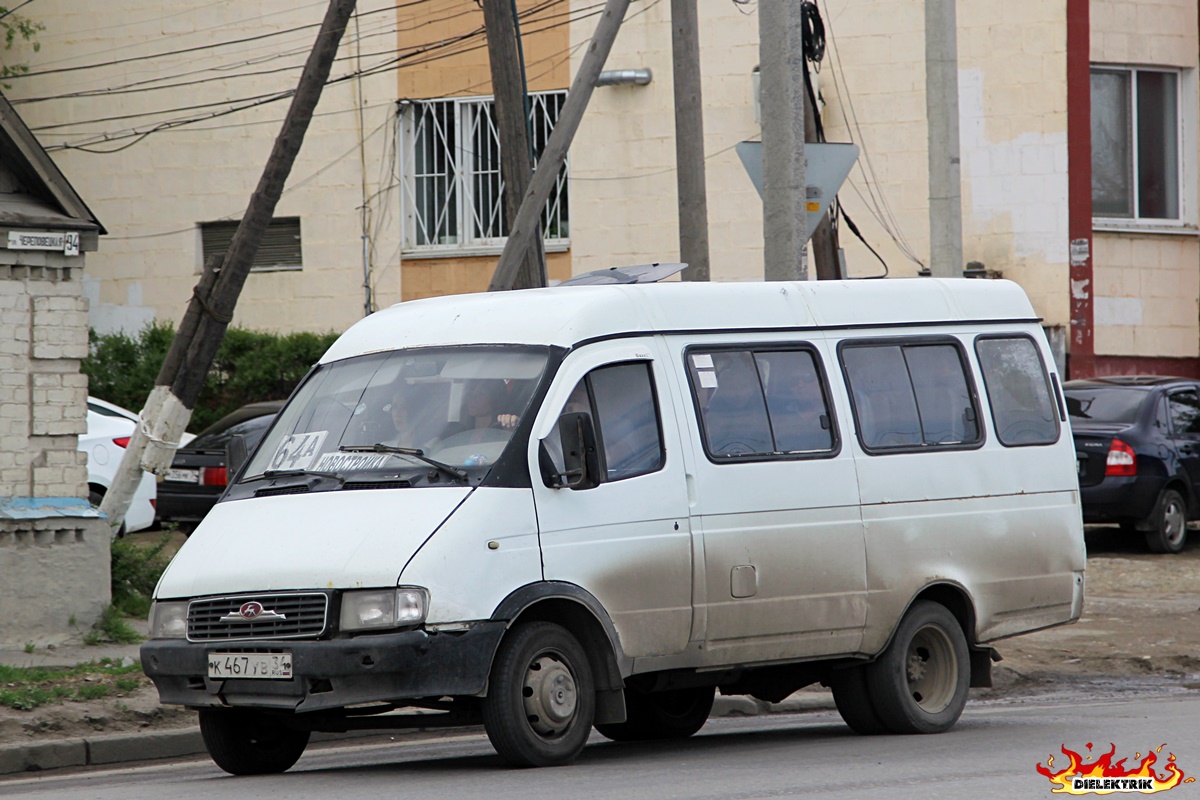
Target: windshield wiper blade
x=293, y=473
x=416, y=453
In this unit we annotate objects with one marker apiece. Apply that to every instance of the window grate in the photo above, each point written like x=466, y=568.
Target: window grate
x=454, y=193
x=279, y=250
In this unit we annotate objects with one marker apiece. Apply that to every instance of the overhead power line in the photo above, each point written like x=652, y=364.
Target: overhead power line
x=430, y=53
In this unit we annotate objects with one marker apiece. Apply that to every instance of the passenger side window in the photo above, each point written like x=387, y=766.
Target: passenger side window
x=910, y=395
x=760, y=403
x=620, y=399
x=1014, y=376
x=1185, y=413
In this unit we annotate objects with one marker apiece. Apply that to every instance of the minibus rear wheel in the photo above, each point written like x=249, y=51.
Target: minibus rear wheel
x=673, y=714
x=920, y=683
x=244, y=742
x=541, y=699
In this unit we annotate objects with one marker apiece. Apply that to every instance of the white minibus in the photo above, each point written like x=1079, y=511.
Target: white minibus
x=596, y=506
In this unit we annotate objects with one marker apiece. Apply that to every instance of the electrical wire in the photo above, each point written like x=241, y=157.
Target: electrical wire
x=16, y=9
x=228, y=70
x=254, y=101
x=877, y=205
x=198, y=48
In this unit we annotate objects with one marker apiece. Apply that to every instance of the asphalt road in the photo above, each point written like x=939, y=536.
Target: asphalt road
x=992, y=753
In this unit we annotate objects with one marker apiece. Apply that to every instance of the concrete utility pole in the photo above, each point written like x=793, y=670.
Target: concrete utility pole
x=781, y=75
x=941, y=105
x=689, y=140
x=525, y=225
x=516, y=155
x=170, y=404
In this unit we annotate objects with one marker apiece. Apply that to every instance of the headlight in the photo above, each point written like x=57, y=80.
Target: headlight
x=383, y=608
x=168, y=620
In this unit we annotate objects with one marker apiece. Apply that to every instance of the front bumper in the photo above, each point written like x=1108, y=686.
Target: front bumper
x=331, y=673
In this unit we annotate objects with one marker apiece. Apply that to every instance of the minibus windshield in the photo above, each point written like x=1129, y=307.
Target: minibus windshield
x=454, y=408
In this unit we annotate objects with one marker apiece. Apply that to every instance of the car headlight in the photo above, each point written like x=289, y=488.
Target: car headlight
x=168, y=620
x=383, y=608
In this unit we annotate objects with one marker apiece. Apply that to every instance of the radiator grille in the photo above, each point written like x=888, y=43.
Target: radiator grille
x=304, y=616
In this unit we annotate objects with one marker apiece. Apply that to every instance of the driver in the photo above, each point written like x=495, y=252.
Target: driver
x=482, y=407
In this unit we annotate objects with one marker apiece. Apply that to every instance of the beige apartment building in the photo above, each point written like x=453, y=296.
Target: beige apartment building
x=1078, y=132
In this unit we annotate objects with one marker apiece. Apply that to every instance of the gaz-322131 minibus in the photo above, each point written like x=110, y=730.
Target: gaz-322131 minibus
x=595, y=506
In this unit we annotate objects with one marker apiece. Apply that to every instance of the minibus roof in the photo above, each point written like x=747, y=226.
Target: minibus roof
x=569, y=315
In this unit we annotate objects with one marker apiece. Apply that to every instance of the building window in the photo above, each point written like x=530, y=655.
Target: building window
x=453, y=191
x=1135, y=143
x=279, y=250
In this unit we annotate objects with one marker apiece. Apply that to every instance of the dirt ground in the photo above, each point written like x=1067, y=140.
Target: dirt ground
x=1140, y=630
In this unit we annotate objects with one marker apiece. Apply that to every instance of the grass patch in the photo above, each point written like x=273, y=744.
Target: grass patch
x=111, y=627
x=26, y=688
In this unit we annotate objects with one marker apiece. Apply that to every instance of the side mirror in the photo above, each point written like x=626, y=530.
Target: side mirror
x=581, y=459
x=235, y=455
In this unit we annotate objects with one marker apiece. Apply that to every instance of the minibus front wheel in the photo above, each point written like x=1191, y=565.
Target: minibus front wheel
x=245, y=742
x=541, y=698
x=920, y=683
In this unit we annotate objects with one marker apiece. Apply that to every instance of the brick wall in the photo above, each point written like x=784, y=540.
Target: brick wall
x=54, y=552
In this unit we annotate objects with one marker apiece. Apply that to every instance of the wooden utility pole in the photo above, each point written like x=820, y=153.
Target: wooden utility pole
x=784, y=193
x=516, y=155
x=525, y=225
x=186, y=366
x=689, y=141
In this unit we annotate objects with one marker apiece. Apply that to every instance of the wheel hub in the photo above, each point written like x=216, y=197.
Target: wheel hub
x=551, y=699
x=1175, y=523
x=931, y=669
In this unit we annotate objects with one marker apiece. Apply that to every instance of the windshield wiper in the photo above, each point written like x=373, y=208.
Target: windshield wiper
x=416, y=453
x=292, y=473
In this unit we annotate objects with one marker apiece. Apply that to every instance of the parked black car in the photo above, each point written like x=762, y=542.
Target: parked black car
x=197, y=476
x=1137, y=439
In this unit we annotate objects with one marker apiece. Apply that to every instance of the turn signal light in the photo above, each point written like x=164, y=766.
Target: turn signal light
x=1121, y=461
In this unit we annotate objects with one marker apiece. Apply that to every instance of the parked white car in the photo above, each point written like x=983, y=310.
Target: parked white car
x=109, y=429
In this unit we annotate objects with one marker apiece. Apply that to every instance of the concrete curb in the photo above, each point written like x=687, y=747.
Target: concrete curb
x=121, y=748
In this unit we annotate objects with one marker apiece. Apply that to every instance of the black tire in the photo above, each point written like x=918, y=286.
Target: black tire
x=674, y=714
x=920, y=683
x=854, y=702
x=95, y=498
x=245, y=742
x=541, y=700
x=1166, y=527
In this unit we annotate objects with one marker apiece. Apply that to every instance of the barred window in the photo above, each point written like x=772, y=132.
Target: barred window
x=454, y=195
